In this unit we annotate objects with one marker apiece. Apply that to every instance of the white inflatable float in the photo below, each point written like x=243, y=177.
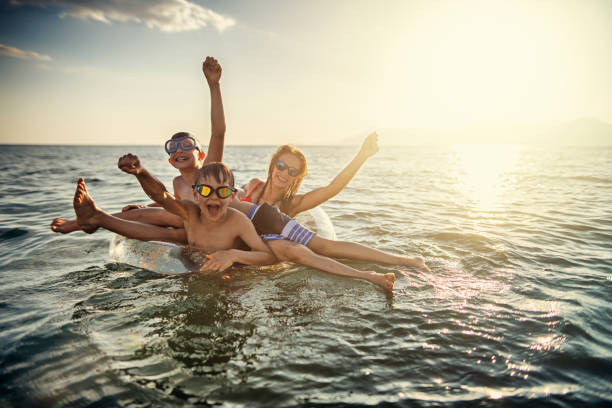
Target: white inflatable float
x=163, y=257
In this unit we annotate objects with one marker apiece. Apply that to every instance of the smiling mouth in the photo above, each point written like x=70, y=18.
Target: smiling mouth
x=181, y=159
x=213, y=209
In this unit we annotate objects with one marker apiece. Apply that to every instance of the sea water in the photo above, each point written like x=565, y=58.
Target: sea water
x=515, y=311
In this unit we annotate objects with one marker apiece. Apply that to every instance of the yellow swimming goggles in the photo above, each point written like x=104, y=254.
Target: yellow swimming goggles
x=222, y=191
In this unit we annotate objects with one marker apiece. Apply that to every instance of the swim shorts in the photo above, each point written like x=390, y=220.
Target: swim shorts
x=270, y=223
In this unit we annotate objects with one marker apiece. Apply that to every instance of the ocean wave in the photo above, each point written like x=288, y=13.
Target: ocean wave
x=590, y=179
x=6, y=234
x=515, y=310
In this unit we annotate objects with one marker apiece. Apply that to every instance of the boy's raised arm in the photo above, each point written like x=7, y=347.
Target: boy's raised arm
x=212, y=71
x=154, y=188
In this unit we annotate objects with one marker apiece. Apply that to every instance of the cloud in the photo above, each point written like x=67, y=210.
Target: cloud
x=165, y=15
x=21, y=54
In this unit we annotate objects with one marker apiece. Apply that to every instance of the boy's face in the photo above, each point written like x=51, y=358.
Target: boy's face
x=185, y=159
x=213, y=207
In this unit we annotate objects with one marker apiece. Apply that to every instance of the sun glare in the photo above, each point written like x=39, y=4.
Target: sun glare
x=458, y=65
x=483, y=173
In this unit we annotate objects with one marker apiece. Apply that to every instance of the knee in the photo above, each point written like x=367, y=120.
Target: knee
x=297, y=253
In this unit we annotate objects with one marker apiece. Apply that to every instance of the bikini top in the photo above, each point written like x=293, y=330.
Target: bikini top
x=247, y=197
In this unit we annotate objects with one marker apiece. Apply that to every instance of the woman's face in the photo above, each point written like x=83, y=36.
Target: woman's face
x=285, y=165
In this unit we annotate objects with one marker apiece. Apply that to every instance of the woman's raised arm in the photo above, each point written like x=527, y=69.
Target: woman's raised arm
x=319, y=195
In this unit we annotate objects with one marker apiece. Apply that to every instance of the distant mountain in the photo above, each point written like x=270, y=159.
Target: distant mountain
x=578, y=132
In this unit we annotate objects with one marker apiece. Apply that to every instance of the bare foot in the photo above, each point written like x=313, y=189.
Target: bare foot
x=417, y=262
x=64, y=225
x=387, y=281
x=85, y=207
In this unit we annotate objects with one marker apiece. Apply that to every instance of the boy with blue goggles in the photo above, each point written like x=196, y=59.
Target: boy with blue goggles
x=182, y=139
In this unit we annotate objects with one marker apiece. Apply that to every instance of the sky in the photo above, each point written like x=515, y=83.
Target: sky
x=302, y=72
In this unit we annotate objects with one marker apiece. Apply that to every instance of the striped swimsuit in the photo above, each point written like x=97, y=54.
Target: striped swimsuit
x=270, y=223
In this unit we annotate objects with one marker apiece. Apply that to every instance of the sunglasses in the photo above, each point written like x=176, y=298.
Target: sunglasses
x=186, y=143
x=282, y=166
x=206, y=191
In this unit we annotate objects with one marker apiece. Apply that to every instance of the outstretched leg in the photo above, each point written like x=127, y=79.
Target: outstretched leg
x=90, y=216
x=148, y=215
x=352, y=250
x=289, y=251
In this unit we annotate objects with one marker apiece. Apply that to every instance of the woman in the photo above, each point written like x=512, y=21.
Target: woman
x=286, y=171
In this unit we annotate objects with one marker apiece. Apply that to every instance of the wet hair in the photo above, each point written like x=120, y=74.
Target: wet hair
x=297, y=181
x=180, y=135
x=218, y=170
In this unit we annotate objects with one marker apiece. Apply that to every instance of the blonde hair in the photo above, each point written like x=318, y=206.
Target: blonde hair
x=297, y=181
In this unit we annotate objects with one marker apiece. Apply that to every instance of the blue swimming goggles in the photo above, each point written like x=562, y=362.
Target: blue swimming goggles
x=186, y=143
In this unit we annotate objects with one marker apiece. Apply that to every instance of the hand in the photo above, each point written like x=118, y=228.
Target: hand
x=218, y=261
x=132, y=207
x=212, y=70
x=130, y=164
x=370, y=145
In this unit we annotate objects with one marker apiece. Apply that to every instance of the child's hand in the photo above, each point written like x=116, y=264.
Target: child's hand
x=370, y=145
x=217, y=261
x=130, y=164
x=212, y=70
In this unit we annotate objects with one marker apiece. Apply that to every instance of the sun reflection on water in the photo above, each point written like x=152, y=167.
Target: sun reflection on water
x=484, y=172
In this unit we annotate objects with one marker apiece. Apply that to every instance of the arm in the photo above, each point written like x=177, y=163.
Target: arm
x=212, y=71
x=259, y=255
x=131, y=207
x=152, y=186
x=322, y=194
x=248, y=188
x=221, y=260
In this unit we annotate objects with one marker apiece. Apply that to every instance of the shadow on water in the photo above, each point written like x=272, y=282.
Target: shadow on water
x=205, y=339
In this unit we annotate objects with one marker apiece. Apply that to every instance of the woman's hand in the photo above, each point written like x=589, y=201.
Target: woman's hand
x=370, y=145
